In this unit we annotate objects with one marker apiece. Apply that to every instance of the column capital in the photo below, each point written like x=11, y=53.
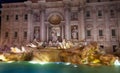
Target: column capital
x=67, y=5
x=28, y=6
x=106, y=9
x=42, y=7
x=28, y=3
x=29, y=10
x=81, y=7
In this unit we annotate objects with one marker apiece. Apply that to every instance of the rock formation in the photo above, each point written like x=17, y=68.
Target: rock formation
x=87, y=54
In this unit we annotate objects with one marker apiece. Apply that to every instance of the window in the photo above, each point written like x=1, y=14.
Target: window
x=112, y=14
x=6, y=34
x=26, y=17
x=15, y=35
x=113, y=32
x=87, y=1
x=88, y=14
x=88, y=32
x=25, y=34
x=111, y=0
x=100, y=32
x=99, y=13
x=114, y=48
x=7, y=17
x=16, y=17
x=101, y=46
x=99, y=0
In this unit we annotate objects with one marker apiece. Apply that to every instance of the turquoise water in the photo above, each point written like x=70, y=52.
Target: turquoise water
x=26, y=67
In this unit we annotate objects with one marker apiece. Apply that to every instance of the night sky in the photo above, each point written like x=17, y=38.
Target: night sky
x=10, y=1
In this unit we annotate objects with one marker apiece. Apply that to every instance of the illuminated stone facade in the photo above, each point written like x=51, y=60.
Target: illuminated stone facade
x=52, y=20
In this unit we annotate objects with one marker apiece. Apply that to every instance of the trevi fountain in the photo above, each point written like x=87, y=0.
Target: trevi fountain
x=60, y=57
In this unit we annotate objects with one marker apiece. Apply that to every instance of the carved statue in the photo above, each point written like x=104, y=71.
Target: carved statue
x=74, y=33
x=36, y=34
x=54, y=35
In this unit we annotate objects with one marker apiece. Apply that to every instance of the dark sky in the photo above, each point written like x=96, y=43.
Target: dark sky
x=10, y=1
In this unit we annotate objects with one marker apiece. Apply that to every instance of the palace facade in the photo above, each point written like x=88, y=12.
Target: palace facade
x=54, y=20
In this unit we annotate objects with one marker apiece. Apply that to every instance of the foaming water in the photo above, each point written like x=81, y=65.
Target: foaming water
x=34, y=62
x=54, y=67
x=117, y=62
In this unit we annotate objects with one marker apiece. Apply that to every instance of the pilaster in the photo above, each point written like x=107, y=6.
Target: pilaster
x=95, y=31
x=118, y=23
x=107, y=24
x=67, y=21
x=81, y=25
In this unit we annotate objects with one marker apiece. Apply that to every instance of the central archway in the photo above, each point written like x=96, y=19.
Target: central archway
x=55, y=27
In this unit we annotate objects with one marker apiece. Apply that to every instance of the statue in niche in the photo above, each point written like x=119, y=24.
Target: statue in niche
x=54, y=35
x=74, y=32
x=36, y=33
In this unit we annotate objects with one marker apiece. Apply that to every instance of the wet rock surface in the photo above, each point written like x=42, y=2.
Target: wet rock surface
x=89, y=54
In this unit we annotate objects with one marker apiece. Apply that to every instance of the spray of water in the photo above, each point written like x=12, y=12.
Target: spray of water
x=117, y=62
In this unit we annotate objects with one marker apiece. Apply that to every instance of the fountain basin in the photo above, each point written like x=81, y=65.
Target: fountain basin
x=54, y=67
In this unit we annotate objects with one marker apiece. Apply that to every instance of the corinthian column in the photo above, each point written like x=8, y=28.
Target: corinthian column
x=67, y=22
x=42, y=22
x=30, y=26
x=30, y=21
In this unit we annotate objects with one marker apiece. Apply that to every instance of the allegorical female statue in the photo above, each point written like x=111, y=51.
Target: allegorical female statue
x=54, y=35
x=36, y=34
x=74, y=33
